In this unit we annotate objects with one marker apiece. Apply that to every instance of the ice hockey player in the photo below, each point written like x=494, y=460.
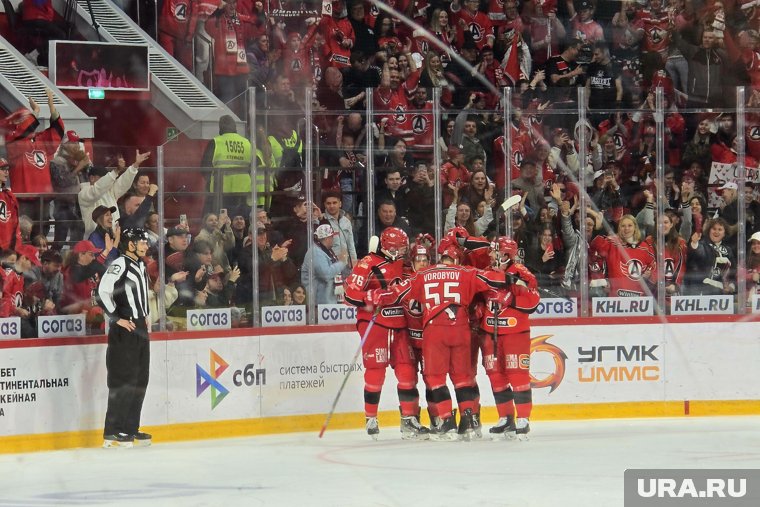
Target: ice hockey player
x=419, y=259
x=444, y=291
x=367, y=288
x=506, y=327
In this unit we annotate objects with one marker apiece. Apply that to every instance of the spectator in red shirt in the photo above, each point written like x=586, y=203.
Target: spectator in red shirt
x=10, y=232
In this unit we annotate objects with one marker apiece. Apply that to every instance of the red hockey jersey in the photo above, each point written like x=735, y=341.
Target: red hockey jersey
x=12, y=284
x=513, y=318
x=376, y=272
x=626, y=264
x=10, y=232
x=29, y=155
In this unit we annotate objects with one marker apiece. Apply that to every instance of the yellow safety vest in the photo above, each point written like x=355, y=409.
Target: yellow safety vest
x=264, y=189
x=232, y=154
x=278, y=149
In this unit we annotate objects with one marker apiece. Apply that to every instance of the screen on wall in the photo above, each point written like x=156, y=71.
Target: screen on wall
x=82, y=65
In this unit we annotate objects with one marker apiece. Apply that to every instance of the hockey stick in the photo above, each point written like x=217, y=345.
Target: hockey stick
x=511, y=202
x=348, y=374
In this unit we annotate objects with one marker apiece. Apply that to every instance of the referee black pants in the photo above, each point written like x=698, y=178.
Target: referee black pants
x=127, y=363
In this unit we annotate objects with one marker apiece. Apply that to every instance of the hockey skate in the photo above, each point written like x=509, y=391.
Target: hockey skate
x=411, y=429
x=118, y=440
x=445, y=429
x=142, y=439
x=522, y=429
x=469, y=426
x=504, y=429
x=372, y=428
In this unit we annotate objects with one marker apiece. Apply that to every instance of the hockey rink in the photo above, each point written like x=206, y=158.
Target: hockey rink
x=575, y=463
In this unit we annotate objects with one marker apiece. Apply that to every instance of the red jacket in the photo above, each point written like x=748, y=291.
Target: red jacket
x=30, y=153
x=12, y=284
x=229, y=36
x=10, y=232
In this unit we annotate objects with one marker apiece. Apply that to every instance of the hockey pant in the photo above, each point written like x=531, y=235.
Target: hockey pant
x=509, y=372
x=447, y=350
x=383, y=347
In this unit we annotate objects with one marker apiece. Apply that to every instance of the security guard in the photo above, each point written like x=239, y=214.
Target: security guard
x=123, y=292
x=229, y=154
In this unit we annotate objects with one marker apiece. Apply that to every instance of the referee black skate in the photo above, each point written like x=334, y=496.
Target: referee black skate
x=123, y=293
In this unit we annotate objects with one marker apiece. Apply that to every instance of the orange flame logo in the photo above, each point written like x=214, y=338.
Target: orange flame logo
x=553, y=379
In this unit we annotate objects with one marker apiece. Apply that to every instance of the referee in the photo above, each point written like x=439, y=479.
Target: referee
x=123, y=291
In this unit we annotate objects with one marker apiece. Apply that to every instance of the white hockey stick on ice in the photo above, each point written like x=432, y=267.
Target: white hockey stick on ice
x=348, y=374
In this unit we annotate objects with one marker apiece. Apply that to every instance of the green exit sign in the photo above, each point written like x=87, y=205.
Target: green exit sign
x=96, y=93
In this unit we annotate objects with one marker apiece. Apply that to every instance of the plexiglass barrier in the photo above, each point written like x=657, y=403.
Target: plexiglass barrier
x=623, y=212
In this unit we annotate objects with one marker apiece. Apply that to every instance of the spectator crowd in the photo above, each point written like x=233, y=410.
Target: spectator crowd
x=345, y=58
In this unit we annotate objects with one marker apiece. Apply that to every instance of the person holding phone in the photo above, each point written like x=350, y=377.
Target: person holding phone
x=543, y=260
x=217, y=231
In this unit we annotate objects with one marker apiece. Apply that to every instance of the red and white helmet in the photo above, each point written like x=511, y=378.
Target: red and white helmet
x=393, y=243
x=505, y=250
x=454, y=253
x=420, y=254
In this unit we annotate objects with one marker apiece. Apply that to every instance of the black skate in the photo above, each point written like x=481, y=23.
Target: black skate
x=445, y=429
x=523, y=428
x=372, y=427
x=411, y=429
x=142, y=439
x=469, y=426
x=505, y=429
x=118, y=440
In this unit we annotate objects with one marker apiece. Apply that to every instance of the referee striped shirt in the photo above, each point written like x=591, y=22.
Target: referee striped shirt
x=123, y=290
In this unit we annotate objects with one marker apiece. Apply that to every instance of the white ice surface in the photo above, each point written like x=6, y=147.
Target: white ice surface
x=567, y=464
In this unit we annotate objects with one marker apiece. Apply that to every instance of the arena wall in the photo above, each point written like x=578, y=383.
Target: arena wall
x=223, y=383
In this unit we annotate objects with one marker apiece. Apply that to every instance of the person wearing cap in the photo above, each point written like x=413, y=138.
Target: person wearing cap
x=582, y=22
x=123, y=292
x=321, y=265
x=295, y=227
x=49, y=277
x=66, y=169
x=82, y=270
x=106, y=233
x=10, y=230
x=29, y=154
x=105, y=186
x=219, y=293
